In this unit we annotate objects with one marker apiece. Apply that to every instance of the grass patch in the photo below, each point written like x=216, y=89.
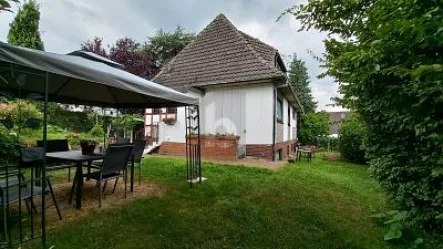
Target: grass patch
x=322, y=204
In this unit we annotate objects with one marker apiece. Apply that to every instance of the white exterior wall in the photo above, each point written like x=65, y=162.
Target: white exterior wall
x=286, y=132
x=176, y=132
x=289, y=131
x=294, y=120
x=293, y=125
x=260, y=115
x=245, y=111
x=169, y=133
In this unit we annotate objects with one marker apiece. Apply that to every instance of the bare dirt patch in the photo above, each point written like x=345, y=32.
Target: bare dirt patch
x=90, y=200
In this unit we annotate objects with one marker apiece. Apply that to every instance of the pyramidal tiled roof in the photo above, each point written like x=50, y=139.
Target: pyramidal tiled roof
x=221, y=54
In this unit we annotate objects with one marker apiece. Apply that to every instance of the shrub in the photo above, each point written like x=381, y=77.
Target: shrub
x=59, y=116
x=333, y=144
x=97, y=131
x=22, y=113
x=88, y=142
x=73, y=139
x=352, y=133
x=32, y=123
x=9, y=147
x=326, y=142
x=312, y=126
x=386, y=56
x=54, y=129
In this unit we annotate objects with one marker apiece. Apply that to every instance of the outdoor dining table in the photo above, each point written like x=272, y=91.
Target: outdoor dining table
x=76, y=156
x=308, y=153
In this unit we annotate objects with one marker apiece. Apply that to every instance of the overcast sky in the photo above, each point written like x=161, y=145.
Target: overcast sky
x=66, y=23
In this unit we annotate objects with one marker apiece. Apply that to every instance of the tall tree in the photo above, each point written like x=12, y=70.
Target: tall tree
x=387, y=57
x=128, y=52
x=5, y=5
x=299, y=80
x=312, y=126
x=165, y=45
x=24, y=29
x=95, y=46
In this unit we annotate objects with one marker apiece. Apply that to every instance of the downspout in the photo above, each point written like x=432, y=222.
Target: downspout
x=274, y=123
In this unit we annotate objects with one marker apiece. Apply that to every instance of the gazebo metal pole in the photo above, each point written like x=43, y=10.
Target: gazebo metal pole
x=199, y=146
x=45, y=134
x=19, y=168
x=104, y=130
x=187, y=142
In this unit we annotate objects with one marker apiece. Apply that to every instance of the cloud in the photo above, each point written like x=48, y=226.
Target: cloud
x=65, y=24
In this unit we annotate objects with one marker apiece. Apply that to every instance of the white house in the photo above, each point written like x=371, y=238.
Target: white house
x=247, y=107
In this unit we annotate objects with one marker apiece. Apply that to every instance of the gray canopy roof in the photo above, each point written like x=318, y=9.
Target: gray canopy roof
x=78, y=80
x=98, y=58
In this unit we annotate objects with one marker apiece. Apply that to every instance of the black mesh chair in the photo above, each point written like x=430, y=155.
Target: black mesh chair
x=136, y=157
x=113, y=167
x=56, y=145
x=15, y=188
x=33, y=158
x=121, y=141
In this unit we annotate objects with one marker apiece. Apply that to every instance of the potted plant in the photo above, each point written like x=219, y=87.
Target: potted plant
x=169, y=121
x=88, y=146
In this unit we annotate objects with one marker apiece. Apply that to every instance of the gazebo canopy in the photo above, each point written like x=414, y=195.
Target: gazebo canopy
x=81, y=79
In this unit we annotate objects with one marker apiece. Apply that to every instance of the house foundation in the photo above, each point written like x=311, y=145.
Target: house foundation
x=225, y=148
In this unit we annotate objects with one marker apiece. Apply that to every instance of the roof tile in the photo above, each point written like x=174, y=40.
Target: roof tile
x=221, y=54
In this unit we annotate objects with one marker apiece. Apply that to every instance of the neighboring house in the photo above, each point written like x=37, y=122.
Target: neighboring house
x=247, y=107
x=335, y=119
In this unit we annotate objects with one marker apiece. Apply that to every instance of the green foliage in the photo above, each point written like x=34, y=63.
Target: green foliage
x=313, y=126
x=326, y=142
x=29, y=137
x=128, y=121
x=23, y=114
x=399, y=229
x=165, y=45
x=74, y=138
x=396, y=221
x=9, y=147
x=352, y=136
x=97, y=131
x=33, y=123
x=24, y=29
x=299, y=80
x=54, y=129
x=5, y=5
x=73, y=121
x=386, y=56
x=88, y=142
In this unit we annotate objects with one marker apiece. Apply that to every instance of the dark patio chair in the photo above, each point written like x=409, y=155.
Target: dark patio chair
x=121, y=141
x=136, y=157
x=15, y=188
x=32, y=158
x=56, y=145
x=113, y=167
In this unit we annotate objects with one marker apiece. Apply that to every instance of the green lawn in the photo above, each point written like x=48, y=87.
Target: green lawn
x=322, y=204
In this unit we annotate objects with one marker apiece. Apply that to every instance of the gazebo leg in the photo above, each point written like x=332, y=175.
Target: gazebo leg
x=193, y=148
